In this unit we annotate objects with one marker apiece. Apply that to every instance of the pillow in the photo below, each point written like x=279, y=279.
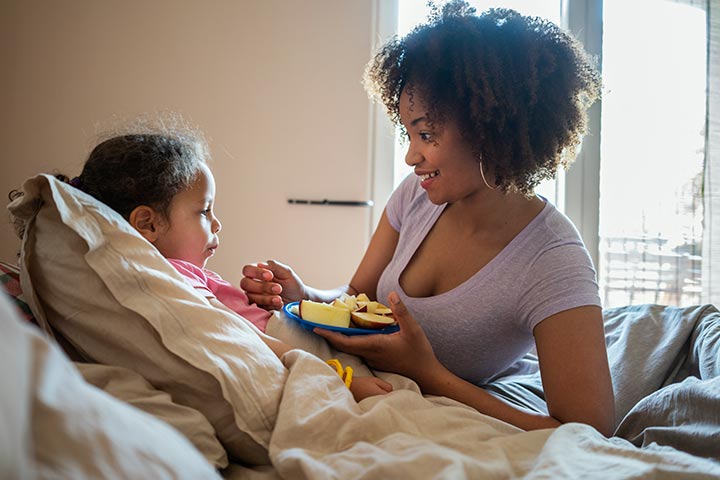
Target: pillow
x=92, y=279
x=131, y=388
x=57, y=426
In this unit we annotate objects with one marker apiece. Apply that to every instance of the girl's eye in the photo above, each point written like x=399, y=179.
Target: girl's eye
x=206, y=212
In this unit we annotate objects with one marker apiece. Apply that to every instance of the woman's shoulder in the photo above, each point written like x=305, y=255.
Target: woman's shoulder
x=555, y=245
x=551, y=241
x=555, y=225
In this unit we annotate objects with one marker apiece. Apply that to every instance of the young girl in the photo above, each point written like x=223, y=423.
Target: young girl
x=161, y=184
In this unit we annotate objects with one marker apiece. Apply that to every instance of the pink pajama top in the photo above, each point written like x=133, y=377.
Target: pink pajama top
x=212, y=285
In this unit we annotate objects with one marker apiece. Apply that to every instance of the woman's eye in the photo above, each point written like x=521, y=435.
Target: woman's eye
x=425, y=136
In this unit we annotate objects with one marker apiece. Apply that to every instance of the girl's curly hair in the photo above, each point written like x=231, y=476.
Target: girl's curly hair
x=134, y=169
x=126, y=171
x=517, y=87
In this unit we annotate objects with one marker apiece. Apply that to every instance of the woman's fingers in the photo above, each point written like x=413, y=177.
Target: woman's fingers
x=401, y=314
x=278, y=268
x=259, y=272
x=259, y=287
x=407, y=351
x=268, y=302
x=293, y=289
x=253, y=286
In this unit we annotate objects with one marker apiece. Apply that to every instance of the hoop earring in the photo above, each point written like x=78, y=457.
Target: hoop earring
x=482, y=174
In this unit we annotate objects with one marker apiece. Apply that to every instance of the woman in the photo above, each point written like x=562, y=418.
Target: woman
x=477, y=269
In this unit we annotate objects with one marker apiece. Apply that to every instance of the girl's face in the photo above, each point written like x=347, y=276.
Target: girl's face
x=191, y=231
x=447, y=167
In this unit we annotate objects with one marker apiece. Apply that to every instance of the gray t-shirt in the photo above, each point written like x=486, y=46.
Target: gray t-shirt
x=479, y=329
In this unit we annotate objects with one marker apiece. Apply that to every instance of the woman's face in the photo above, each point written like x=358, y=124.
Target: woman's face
x=445, y=163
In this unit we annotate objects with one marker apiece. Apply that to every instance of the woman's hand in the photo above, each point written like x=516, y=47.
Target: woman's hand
x=407, y=352
x=363, y=387
x=271, y=284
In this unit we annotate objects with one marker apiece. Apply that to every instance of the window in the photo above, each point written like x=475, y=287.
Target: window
x=652, y=152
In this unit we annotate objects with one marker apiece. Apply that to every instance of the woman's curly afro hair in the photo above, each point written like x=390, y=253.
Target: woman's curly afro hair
x=517, y=87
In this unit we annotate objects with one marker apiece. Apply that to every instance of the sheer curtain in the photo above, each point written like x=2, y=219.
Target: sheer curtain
x=711, y=227
x=652, y=146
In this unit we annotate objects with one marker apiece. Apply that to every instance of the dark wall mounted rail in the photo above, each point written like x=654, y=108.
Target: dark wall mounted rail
x=332, y=203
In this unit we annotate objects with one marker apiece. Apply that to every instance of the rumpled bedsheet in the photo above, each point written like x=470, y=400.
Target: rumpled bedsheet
x=665, y=364
x=322, y=433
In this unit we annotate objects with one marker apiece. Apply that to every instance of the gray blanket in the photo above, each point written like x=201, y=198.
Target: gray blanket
x=665, y=364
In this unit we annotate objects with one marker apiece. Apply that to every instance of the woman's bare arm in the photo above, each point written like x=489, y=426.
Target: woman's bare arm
x=575, y=375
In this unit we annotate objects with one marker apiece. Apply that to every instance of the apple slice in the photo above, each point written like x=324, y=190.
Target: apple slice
x=362, y=297
x=371, y=320
x=340, y=304
x=374, y=307
x=349, y=300
x=324, y=314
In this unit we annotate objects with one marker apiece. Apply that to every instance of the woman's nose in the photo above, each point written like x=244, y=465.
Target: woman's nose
x=412, y=157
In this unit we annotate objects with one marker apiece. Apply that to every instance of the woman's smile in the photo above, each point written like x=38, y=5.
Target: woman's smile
x=427, y=179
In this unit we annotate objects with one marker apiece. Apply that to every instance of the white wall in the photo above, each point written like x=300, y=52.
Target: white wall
x=274, y=84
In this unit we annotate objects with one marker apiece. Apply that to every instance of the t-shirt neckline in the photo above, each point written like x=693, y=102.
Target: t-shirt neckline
x=488, y=268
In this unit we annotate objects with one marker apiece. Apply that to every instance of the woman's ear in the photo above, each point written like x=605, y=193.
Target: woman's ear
x=146, y=221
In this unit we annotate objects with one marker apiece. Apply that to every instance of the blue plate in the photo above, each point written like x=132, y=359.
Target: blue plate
x=347, y=331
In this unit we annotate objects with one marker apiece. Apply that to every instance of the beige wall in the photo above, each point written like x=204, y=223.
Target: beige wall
x=274, y=84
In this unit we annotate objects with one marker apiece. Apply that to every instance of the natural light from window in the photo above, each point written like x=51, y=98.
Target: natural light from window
x=653, y=119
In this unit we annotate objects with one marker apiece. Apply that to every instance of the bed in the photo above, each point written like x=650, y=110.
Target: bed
x=211, y=400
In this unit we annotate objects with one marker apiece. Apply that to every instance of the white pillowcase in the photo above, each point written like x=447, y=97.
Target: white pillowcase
x=112, y=299
x=57, y=426
x=133, y=389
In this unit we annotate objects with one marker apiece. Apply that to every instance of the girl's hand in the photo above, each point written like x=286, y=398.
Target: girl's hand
x=407, y=352
x=271, y=284
x=363, y=387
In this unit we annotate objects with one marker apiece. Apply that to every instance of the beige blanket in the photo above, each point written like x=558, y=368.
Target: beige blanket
x=322, y=433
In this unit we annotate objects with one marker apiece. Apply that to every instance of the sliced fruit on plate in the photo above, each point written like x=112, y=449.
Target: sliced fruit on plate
x=348, y=300
x=340, y=304
x=324, y=313
x=373, y=307
x=371, y=320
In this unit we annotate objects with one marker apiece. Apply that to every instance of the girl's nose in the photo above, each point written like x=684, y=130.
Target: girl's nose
x=216, y=225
